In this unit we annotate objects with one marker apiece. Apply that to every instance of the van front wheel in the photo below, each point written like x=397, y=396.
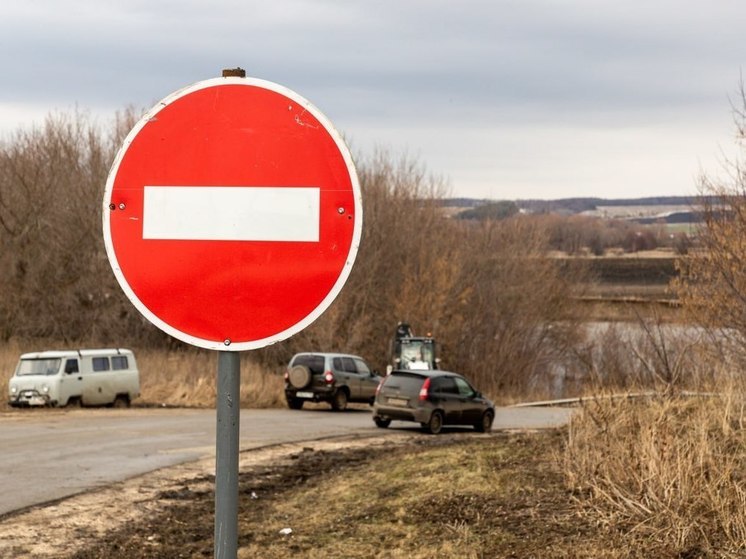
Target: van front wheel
x=75, y=402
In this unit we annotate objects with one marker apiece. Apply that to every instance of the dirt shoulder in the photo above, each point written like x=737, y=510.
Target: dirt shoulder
x=415, y=496
x=66, y=527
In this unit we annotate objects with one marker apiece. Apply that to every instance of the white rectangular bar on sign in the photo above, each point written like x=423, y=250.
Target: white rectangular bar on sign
x=231, y=213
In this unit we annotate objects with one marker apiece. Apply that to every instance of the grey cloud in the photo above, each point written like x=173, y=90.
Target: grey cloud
x=392, y=66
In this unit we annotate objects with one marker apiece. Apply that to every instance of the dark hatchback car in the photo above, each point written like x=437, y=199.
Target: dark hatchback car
x=432, y=399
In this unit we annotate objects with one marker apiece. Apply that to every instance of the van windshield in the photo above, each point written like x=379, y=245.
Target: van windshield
x=38, y=367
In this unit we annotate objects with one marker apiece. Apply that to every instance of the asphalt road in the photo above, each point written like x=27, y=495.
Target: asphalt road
x=50, y=454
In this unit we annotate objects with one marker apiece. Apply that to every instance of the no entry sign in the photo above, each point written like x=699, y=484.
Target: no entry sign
x=232, y=214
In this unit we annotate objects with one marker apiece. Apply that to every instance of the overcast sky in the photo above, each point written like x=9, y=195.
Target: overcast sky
x=503, y=99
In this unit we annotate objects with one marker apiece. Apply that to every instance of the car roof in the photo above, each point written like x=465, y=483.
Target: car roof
x=75, y=353
x=326, y=354
x=431, y=373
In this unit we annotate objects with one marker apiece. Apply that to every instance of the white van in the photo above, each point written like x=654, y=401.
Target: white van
x=84, y=377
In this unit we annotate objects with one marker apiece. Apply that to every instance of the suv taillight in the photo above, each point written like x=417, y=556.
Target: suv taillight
x=424, y=391
x=329, y=377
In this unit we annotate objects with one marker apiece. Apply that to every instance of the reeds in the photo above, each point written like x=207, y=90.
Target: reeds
x=669, y=471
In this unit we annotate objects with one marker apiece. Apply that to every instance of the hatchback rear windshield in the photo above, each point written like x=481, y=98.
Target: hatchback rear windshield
x=404, y=382
x=314, y=362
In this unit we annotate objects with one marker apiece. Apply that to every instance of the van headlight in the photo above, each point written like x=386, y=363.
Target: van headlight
x=45, y=389
x=14, y=389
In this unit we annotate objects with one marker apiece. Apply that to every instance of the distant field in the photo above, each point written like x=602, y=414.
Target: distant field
x=636, y=211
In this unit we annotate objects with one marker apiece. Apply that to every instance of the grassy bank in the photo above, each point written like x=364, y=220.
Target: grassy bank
x=455, y=496
x=627, y=480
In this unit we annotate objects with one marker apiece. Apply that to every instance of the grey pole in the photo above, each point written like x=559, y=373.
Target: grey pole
x=226, y=455
x=226, y=443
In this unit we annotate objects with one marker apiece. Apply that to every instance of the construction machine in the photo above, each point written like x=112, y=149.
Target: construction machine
x=412, y=352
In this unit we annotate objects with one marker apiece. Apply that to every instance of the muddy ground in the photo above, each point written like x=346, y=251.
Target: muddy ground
x=170, y=513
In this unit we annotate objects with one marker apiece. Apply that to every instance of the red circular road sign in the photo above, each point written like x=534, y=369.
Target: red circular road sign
x=232, y=214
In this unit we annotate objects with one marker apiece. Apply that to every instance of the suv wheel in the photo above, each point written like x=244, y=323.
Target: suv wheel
x=299, y=376
x=485, y=425
x=435, y=424
x=339, y=402
x=295, y=403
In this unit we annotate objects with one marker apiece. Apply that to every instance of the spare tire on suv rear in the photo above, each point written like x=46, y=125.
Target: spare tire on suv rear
x=299, y=376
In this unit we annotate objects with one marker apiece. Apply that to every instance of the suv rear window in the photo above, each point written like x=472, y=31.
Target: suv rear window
x=404, y=382
x=314, y=362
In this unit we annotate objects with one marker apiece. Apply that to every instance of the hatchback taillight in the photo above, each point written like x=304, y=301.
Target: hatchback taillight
x=425, y=390
x=329, y=377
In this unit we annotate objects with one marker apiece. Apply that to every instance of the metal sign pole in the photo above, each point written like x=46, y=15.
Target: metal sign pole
x=226, y=455
x=226, y=442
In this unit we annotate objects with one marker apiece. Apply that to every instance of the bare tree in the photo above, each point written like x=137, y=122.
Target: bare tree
x=54, y=277
x=712, y=284
x=486, y=290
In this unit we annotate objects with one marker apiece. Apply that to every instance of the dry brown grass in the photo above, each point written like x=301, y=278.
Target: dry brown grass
x=668, y=471
x=456, y=496
x=174, y=377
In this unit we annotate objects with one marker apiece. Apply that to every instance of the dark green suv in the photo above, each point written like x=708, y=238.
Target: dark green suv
x=336, y=378
x=432, y=399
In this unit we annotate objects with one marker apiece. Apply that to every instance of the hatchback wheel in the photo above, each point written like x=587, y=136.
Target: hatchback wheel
x=339, y=402
x=485, y=425
x=382, y=423
x=435, y=424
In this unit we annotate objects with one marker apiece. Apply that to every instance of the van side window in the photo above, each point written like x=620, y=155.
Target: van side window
x=119, y=362
x=71, y=366
x=100, y=363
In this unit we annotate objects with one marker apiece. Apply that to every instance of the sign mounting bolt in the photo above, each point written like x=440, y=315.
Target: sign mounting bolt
x=122, y=206
x=227, y=341
x=340, y=211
